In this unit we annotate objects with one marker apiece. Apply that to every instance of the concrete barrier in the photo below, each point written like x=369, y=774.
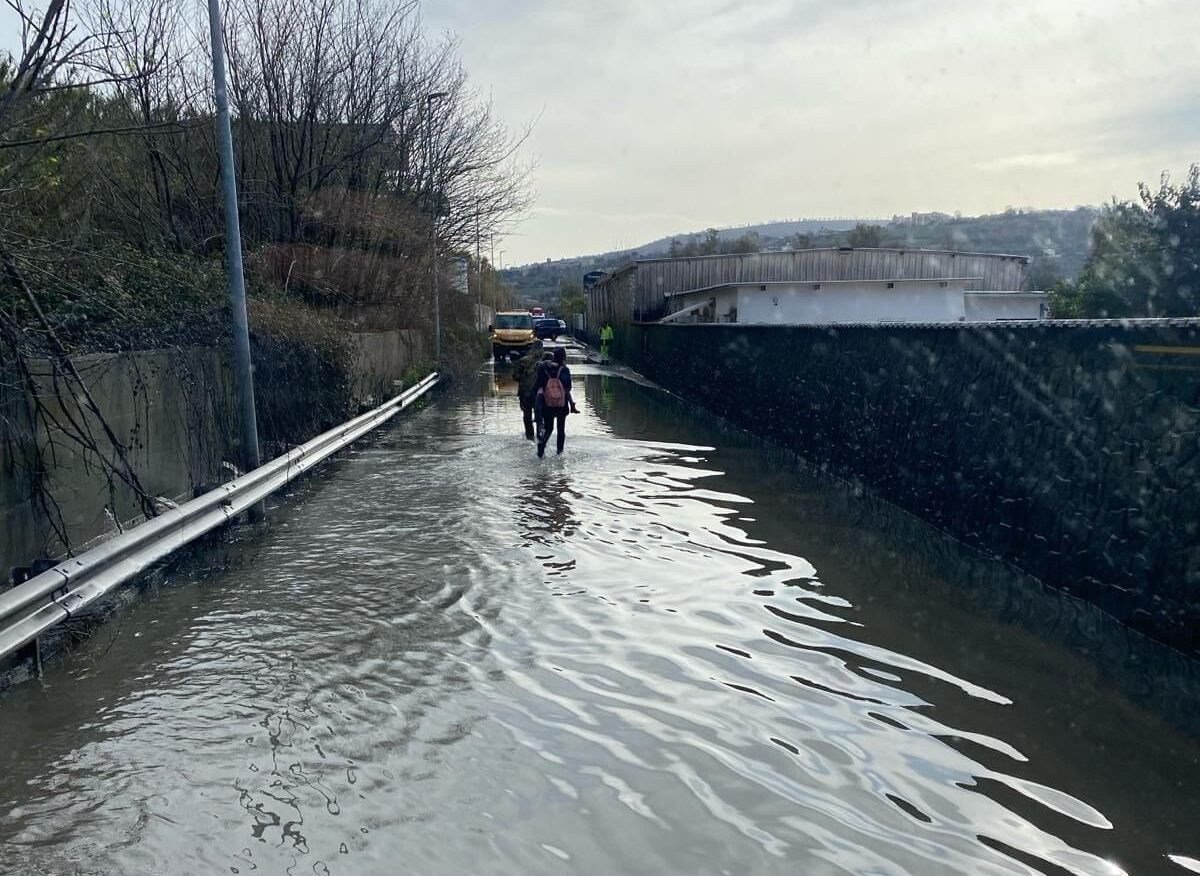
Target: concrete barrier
x=1071, y=449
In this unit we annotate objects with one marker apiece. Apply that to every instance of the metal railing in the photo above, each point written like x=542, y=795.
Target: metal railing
x=31, y=608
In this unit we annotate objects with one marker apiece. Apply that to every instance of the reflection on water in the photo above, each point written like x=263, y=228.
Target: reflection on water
x=667, y=651
x=546, y=512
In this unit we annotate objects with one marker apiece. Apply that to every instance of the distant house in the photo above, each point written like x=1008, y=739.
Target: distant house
x=825, y=285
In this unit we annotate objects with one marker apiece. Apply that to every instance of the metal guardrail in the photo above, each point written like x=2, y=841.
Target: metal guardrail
x=31, y=608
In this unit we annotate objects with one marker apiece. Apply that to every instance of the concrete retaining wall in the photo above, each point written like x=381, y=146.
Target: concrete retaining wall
x=1070, y=449
x=169, y=408
x=173, y=411
x=383, y=357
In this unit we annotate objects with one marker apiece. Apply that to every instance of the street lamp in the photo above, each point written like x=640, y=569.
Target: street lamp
x=433, y=203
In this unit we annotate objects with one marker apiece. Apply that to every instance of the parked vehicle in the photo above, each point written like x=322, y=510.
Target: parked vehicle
x=512, y=334
x=548, y=329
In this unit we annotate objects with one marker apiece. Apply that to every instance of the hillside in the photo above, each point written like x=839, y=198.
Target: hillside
x=778, y=230
x=1055, y=240
x=538, y=282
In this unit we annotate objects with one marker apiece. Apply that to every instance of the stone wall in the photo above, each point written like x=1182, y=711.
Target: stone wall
x=1071, y=450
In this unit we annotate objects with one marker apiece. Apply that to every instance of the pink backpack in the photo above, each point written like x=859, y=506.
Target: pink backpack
x=553, y=394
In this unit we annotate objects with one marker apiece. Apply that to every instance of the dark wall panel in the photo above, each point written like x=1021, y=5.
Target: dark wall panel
x=1070, y=449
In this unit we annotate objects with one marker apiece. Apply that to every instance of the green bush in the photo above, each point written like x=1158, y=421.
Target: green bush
x=115, y=298
x=303, y=370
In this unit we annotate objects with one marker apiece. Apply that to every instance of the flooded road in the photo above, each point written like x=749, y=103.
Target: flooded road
x=670, y=650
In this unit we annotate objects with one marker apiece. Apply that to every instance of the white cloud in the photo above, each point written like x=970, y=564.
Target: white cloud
x=731, y=112
x=664, y=116
x=1033, y=160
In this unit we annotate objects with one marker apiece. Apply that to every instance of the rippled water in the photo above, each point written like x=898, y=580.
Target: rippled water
x=668, y=651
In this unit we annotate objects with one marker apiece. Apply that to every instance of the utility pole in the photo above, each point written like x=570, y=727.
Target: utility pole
x=243, y=376
x=478, y=266
x=492, y=271
x=501, y=265
x=433, y=217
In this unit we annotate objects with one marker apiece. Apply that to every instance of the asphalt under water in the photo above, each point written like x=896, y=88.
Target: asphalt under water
x=670, y=650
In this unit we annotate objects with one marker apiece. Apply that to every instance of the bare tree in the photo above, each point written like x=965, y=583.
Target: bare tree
x=346, y=170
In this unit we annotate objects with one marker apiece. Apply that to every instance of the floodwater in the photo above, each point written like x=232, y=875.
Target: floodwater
x=670, y=650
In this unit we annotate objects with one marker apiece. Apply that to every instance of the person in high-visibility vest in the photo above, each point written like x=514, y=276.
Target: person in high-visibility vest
x=606, y=336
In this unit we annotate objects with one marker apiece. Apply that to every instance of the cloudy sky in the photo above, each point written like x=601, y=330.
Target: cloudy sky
x=662, y=116
x=658, y=116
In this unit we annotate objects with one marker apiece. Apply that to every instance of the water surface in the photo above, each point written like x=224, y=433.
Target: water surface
x=668, y=651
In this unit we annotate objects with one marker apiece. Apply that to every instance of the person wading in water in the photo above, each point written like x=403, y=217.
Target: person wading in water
x=525, y=374
x=554, y=400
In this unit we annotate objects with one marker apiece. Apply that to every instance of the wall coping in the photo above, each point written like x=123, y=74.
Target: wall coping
x=1181, y=322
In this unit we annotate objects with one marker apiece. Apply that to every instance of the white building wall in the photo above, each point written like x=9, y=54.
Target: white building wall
x=987, y=306
x=727, y=302
x=716, y=306
x=851, y=303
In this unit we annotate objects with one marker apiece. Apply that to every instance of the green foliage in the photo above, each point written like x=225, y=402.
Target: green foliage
x=866, y=235
x=1174, y=218
x=1145, y=257
x=744, y=243
x=571, y=300
x=464, y=346
x=1045, y=272
x=118, y=298
x=712, y=244
x=302, y=388
x=1060, y=236
x=708, y=245
x=1065, y=300
x=413, y=375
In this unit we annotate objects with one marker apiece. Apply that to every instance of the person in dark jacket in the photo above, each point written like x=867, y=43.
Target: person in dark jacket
x=525, y=374
x=550, y=414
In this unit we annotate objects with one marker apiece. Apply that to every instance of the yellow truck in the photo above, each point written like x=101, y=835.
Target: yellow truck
x=512, y=334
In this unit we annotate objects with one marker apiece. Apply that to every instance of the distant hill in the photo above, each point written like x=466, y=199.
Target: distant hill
x=781, y=229
x=1056, y=242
